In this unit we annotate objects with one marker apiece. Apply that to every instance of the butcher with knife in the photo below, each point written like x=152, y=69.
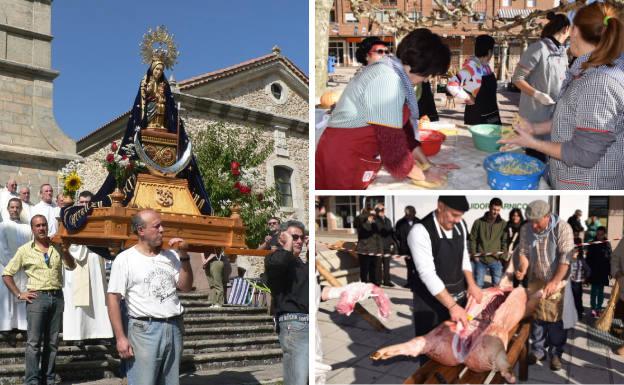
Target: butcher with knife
x=444, y=277
x=545, y=251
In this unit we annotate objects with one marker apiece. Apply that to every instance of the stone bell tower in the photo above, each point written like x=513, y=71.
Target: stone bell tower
x=32, y=146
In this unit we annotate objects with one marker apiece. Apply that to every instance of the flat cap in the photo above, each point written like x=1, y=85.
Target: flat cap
x=537, y=209
x=457, y=202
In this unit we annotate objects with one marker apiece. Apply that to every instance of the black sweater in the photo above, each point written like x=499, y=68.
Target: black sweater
x=287, y=277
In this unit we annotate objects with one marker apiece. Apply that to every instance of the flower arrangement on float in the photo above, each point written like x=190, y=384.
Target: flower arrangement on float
x=70, y=180
x=122, y=163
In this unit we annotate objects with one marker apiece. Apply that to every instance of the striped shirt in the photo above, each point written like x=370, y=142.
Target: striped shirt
x=374, y=96
x=589, y=123
x=41, y=276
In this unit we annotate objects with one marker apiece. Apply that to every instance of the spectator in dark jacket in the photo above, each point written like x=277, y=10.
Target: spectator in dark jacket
x=575, y=222
x=368, y=243
x=512, y=231
x=402, y=229
x=488, y=236
x=579, y=272
x=386, y=237
x=599, y=261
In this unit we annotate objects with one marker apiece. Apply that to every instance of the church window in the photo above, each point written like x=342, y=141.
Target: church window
x=283, y=185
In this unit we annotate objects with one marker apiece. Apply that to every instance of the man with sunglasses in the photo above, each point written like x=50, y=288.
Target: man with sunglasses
x=270, y=241
x=43, y=265
x=287, y=277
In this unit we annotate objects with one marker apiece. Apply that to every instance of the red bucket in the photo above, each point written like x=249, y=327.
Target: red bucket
x=431, y=141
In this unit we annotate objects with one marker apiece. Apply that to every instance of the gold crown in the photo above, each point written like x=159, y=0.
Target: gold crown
x=158, y=47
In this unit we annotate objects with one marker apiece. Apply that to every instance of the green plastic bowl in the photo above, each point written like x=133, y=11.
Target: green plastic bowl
x=485, y=136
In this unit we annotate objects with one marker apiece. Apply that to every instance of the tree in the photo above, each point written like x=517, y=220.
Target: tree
x=229, y=163
x=321, y=42
x=444, y=14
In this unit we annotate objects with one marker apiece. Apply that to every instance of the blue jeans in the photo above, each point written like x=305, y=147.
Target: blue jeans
x=551, y=332
x=480, y=269
x=157, y=347
x=44, y=316
x=293, y=337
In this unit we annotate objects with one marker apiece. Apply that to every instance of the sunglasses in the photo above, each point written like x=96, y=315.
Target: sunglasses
x=46, y=259
x=296, y=237
x=380, y=51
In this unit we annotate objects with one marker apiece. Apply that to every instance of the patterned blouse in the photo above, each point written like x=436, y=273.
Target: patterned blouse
x=589, y=122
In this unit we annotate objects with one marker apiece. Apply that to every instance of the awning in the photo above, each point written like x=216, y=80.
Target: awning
x=511, y=13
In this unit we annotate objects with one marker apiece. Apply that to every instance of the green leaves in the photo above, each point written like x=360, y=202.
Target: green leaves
x=231, y=164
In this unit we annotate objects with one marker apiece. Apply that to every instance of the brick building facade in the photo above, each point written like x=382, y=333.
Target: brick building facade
x=346, y=31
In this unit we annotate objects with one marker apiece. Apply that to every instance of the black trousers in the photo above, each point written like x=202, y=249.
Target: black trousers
x=577, y=292
x=369, y=267
x=386, y=270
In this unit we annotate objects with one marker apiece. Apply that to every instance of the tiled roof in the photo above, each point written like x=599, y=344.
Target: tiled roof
x=229, y=71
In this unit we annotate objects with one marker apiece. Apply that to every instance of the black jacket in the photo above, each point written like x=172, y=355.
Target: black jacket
x=386, y=235
x=402, y=231
x=368, y=235
x=287, y=277
x=576, y=225
x=599, y=260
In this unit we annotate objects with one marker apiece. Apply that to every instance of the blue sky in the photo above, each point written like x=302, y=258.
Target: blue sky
x=96, y=47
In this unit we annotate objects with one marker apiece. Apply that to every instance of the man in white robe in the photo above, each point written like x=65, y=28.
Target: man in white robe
x=13, y=234
x=85, y=315
x=47, y=208
x=10, y=191
x=24, y=195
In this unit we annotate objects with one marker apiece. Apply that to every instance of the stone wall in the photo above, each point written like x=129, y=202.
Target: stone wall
x=257, y=95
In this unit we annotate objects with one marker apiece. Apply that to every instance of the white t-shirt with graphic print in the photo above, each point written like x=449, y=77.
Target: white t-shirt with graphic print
x=147, y=283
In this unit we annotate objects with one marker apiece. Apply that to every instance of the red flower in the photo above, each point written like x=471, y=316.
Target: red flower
x=124, y=157
x=114, y=146
x=237, y=185
x=234, y=168
x=110, y=158
x=244, y=189
x=129, y=166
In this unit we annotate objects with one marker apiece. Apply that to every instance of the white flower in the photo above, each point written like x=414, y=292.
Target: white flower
x=124, y=163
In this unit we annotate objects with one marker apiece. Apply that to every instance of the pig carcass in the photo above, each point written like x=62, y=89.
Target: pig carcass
x=358, y=291
x=482, y=345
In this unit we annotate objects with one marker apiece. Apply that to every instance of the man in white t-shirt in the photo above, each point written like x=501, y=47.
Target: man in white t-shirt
x=148, y=277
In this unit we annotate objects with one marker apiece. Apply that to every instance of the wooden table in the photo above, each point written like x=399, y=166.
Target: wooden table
x=517, y=351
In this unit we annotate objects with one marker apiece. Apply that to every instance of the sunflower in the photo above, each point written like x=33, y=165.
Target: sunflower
x=73, y=182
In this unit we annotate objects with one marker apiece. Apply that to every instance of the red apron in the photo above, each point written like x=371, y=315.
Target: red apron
x=346, y=158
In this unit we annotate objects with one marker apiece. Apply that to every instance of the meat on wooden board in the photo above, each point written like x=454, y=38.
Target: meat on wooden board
x=482, y=346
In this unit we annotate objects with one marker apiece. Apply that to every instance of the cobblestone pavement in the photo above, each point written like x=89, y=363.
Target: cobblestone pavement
x=348, y=342
x=458, y=147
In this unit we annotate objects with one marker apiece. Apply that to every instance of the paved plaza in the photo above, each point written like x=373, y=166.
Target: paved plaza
x=458, y=147
x=349, y=341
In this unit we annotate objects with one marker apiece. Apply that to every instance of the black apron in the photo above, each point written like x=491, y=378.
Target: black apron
x=428, y=311
x=426, y=103
x=485, y=109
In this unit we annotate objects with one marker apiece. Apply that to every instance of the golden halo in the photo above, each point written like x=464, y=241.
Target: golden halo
x=158, y=44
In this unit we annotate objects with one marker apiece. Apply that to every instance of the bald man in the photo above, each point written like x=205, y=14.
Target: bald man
x=47, y=208
x=148, y=277
x=24, y=195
